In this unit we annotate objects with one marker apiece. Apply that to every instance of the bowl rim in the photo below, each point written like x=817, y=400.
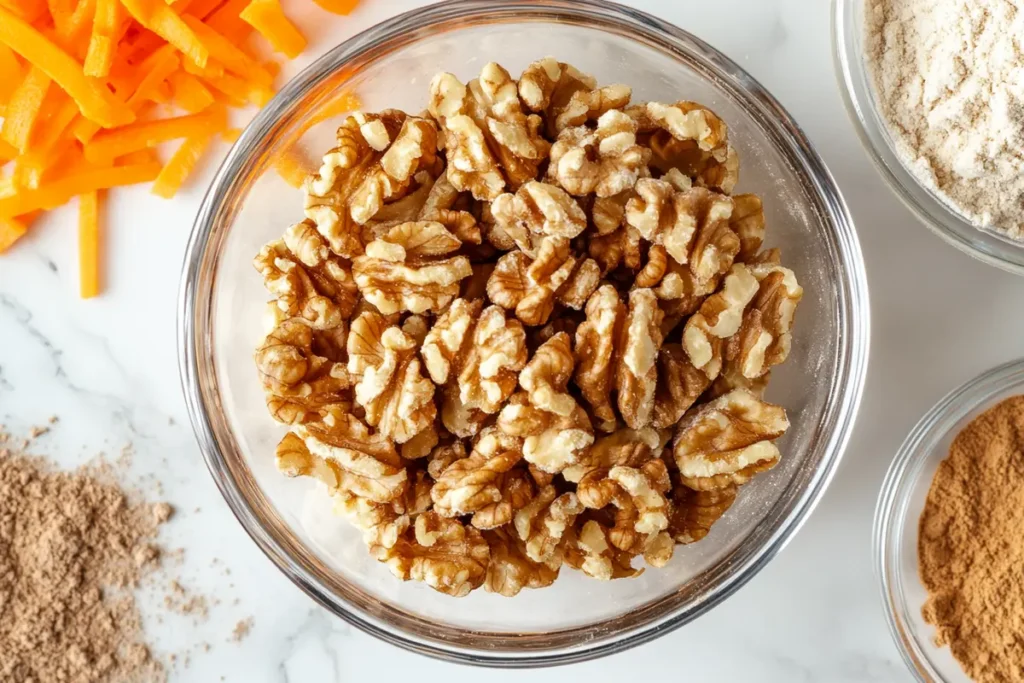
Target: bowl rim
x=846, y=70
x=852, y=303
x=890, y=520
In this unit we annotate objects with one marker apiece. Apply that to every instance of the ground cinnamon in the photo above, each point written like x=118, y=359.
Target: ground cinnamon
x=971, y=546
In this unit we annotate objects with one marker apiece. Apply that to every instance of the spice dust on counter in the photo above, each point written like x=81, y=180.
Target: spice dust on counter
x=971, y=549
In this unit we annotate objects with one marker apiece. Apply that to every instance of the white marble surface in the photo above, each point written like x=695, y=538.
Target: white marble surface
x=108, y=367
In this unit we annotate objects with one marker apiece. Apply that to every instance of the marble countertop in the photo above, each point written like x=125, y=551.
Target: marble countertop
x=108, y=368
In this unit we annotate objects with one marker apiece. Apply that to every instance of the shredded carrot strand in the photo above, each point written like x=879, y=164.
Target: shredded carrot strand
x=105, y=29
x=23, y=109
x=95, y=103
x=267, y=17
x=231, y=135
x=89, y=244
x=173, y=174
x=161, y=20
x=292, y=168
x=240, y=92
x=29, y=10
x=157, y=69
x=225, y=20
x=337, y=6
x=188, y=93
x=82, y=180
x=11, y=230
x=226, y=53
x=201, y=8
x=108, y=145
x=7, y=151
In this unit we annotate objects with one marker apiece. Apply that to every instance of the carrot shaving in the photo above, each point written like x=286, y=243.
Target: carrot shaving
x=225, y=20
x=267, y=17
x=89, y=244
x=29, y=10
x=173, y=174
x=23, y=109
x=108, y=145
x=10, y=73
x=292, y=168
x=157, y=69
x=95, y=103
x=82, y=180
x=11, y=230
x=226, y=53
x=337, y=6
x=239, y=92
x=7, y=152
x=211, y=70
x=231, y=135
x=106, y=25
x=161, y=20
x=188, y=93
x=200, y=8
x=75, y=28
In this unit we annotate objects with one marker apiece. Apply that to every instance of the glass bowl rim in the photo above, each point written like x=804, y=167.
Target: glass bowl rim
x=890, y=520
x=852, y=301
x=1011, y=254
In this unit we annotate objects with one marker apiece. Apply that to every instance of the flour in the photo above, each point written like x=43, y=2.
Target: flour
x=949, y=76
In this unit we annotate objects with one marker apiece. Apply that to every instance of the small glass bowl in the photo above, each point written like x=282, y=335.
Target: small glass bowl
x=223, y=300
x=858, y=91
x=899, y=508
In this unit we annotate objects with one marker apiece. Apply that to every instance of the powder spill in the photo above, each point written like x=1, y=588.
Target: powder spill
x=241, y=630
x=970, y=547
x=73, y=546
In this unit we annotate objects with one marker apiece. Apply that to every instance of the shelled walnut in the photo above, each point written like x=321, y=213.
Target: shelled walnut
x=529, y=327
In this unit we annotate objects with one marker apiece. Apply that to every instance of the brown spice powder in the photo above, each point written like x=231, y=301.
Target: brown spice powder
x=971, y=546
x=72, y=548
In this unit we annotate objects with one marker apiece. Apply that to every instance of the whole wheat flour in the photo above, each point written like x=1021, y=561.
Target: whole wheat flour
x=949, y=76
x=72, y=546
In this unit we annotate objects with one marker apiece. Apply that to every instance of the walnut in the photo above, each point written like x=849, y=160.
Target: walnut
x=555, y=429
x=538, y=209
x=590, y=551
x=404, y=271
x=679, y=386
x=438, y=207
x=683, y=121
x=375, y=160
x=443, y=455
x=618, y=248
x=511, y=570
x=531, y=287
x=719, y=318
x=654, y=269
x=588, y=105
x=764, y=336
x=581, y=283
x=747, y=221
x=595, y=352
x=692, y=225
x=488, y=138
x=459, y=419
x=301, y=386
x=306, y=280
x=443, y=553
x=472, y=484
x=491, y=367
x=728, y=441
x=446, y=339
x=421, y=445
x=543, y=522
x=381, y=523
x=623, y=447
x=605, y=161
x=567, y=96
x=608, y=213
x=636, y=360
x=717, y=169
x=638, y=495
x=398, y=400
x=363, y=464
x=694, y=512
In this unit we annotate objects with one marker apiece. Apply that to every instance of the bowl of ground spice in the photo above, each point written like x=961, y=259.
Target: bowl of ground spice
x=935, y=89
x=949, y=550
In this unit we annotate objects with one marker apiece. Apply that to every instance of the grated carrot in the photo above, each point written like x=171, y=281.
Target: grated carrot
x=11, y=230
x=95, y=103
x=58, y=191
x=227, y=54
x=23, y=108
x=267, y=17
x=239, y=92
x=108, y=145
x=106, y=25
x=231, y=135
x=337, y=6
x=160, y=65
x=292, y=168
x=161, y=20
x=188, y=93
x=90, y=239
x=173, y=174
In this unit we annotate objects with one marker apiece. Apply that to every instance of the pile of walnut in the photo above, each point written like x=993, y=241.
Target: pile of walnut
x=497, y=315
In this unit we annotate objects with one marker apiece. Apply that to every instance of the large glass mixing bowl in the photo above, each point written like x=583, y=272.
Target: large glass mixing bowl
x=222, y=303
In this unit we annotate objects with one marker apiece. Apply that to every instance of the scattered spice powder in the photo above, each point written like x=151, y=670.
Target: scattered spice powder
x=241, y=630
x=971, y=549
x=73, y=546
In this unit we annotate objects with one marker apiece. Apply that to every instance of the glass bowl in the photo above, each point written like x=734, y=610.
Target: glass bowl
x=899, y=509
x=222, y=302
x=858, y=92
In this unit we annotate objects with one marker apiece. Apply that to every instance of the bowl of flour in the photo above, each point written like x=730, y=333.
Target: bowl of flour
x=936, y=91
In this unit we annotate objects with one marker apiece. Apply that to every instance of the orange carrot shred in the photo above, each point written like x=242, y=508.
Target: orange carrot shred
x=95, y=102
x=61, y=189
x=10, y=73
x=173, y=174
x=226, y=53
x=23, y=109
x=212, y=69
x=162, y=20
x=240, y=92
x=188, y=93
x=337, y=6
x=29, y=10
x=202, y=8
x=7, y=152
x=11, y=230
x=231, y=135
x=109, y=145
x=76, y=26
x=90, y=241
x=267, y=17
x=225, y=21
x=106, y=25
x=159, y=67
x=292, y=168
